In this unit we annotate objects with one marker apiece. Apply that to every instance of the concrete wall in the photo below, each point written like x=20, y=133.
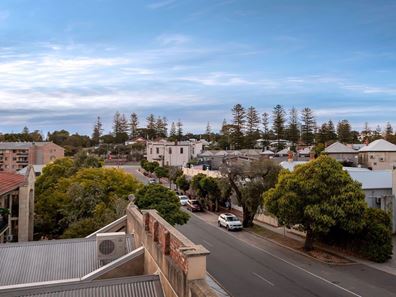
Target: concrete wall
x=378, y=160
x=178, y=261
x=26, y=207
x=350, y=157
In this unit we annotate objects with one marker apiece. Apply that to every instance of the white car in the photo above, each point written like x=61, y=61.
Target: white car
x=229, y=221
x=183, y=200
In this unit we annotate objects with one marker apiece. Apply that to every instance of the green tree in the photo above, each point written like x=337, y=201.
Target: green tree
x=344, y=131
x=317, y=196
x=307, y=126
x=252, y=127
x=211, y=189
x=266, y=129
x=164, y=201
x=179, y=130
x=151, y=129
x=97, y=131
x=278, y=124
x=120, y=128
x=293, y=130
x=183, y=183
x=172, y=132
x=388, y=131
x=161, y=172
x=249, y=181
x=133, y=125
x=238, y=126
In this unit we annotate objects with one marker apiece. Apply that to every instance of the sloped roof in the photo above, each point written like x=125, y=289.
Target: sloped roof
x=267, y=152
x=372, y=179
x=379, y=145
x=49, y=260
x=221, y=153
x=206, y=154
x=139, y=286
x=285, y=151
x=339, y=148
x=36, y=168
x=305, y=151
x=10, y=181
x=21, y=145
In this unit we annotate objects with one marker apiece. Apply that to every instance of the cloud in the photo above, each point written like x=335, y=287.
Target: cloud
x=160, y=4
x=173, y=39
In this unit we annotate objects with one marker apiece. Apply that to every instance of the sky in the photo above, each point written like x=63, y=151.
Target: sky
x=63, y=63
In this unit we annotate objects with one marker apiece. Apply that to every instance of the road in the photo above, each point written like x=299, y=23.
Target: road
x=249, y=266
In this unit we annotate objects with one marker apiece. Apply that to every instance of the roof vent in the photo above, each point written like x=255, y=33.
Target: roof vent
x=110, y=246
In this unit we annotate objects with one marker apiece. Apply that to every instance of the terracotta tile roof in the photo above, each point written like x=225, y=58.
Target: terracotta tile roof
x=10, y=181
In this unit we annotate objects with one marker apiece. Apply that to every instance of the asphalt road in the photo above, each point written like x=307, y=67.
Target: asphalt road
x=249, y=266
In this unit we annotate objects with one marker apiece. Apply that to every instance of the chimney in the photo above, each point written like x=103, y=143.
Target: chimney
x=289, y=156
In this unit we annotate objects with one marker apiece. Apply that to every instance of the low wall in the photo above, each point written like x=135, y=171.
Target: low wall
x=179, y=262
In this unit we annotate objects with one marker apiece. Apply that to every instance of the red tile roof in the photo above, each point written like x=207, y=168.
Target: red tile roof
x=10, y=181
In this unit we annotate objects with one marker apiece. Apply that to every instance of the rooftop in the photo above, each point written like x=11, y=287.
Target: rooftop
x=47, y=260
x=10, y=181
x=339, y=148
x=370, y=180
x=20, y=145
x=379, y=145
x=135, y=286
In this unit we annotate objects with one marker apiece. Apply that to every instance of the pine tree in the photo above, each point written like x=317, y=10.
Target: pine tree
x=97, y=131
x=266, y=131
x=172, y=132
x=120, y=128
x=388, y=130
x=208, y=132
x=252, y=127
x=151, y=131
x=344, y=131
x=293, y=131
x=331, y=133
x=278, y=124
x=179, y=130
x=307, y=126
x=161, y=127
x=238, y=122
x=133, y=125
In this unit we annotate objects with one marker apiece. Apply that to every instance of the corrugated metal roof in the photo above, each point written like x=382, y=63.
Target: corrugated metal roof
x=339, y=148
x=138, y=286
x=48, y=260
x=379, y=145
x=370, y=180
x=10, y=181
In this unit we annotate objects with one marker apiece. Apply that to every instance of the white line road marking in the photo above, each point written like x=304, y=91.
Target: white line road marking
x=262, y=278
x=208, y=243
x=283, y=260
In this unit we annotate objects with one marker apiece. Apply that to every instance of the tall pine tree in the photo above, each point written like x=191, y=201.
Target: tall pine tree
x=307, y=126
x=238, y=122
x=278, y=123
x=293, y=129
x=252, y=127
x=344, y=131
x=133, y=125
x=97, y=131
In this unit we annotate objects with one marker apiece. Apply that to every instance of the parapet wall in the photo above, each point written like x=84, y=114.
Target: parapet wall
x=179, y=262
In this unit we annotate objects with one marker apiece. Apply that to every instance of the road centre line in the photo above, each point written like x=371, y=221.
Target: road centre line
x=262, y=278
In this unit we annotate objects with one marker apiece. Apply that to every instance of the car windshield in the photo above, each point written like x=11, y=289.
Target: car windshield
x=183, y=198
x=232, y=219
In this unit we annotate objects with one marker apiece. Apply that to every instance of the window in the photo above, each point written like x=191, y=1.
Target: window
x=170, y=151
x=157, y=150
x=151, y=150
x=181, y=150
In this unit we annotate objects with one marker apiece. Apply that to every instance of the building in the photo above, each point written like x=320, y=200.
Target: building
x=138, y=255
x=174, y=153
x=17, y=205
x=378, y=155
x=17, y=155
x=342, y=153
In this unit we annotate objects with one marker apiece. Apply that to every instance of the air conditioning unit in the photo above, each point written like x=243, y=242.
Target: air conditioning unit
x=110, y=246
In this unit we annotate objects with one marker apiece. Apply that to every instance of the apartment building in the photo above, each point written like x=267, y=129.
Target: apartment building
x=378, y=155
x=17, y=155
x=17, y=206
x=174, y=153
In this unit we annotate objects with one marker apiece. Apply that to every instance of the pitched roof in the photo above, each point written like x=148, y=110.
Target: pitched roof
x=339, y=148
x=10, y=181
x=379, y=145
x=267, y=152
x=285, y=151
x=376, y=179
x=135, y=286
x=49, y=260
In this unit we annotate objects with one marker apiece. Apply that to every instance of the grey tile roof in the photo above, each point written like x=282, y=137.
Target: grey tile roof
x=379, y=145
x=370, y=180
x=138, y=286
x=48, y=260
x=339, y=148
x=20, y=145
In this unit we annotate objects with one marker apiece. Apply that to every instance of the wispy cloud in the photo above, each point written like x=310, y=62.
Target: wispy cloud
x=173, y=39
x=161, y=4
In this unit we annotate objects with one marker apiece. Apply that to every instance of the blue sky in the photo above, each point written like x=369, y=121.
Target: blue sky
x=62, y=63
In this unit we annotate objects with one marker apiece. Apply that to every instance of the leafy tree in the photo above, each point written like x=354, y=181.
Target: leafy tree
x=317, y=196
x=97, y=131
x=307, y=126
x=212, y=190
x=161, y=172
x=133, y=125
x=344, y=131
x=278, y=124
x=161, y=127
x=249, y=180
x=183, y=183
x=238, y=122
x=164, y=201
x=151, y=128
x=293, y=130
x=120, y=128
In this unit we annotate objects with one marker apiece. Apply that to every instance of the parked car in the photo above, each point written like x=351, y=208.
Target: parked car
x=183, y=200
x=152, y=181
x=229, y=221
x=194, y=205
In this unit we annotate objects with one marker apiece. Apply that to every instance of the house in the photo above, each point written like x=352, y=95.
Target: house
x=342, y=153
x=378, y=155
x=174, y=153
x=38, y=169
x=17, y=205
x=17, y=155
x=139, y=255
